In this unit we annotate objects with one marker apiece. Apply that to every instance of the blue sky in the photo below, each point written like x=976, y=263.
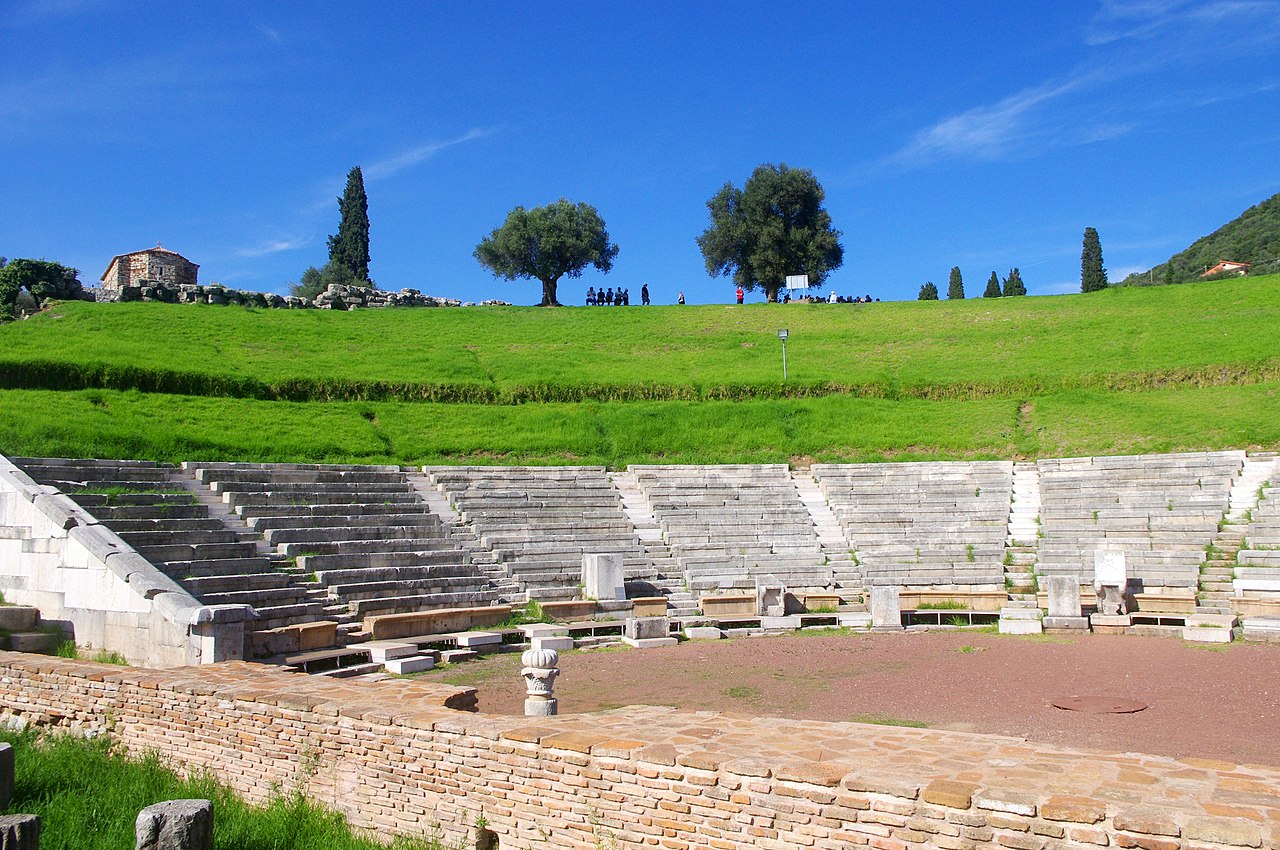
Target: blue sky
x=981, y=135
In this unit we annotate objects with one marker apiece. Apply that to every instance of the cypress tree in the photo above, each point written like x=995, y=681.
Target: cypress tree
x=1092, y=275
x=350, y=246
x=993, y=287
x=1013, y=284
x=955, y=287
x=928, y=292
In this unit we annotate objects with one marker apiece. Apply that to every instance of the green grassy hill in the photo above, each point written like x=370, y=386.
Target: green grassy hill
x=1122, y=370
x=1252, y=237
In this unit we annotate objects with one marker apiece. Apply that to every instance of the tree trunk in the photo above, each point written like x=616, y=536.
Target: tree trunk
x=549, y=294
x=771, y=293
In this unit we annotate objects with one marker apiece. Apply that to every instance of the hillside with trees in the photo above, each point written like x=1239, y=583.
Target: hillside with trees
x=1253, y=237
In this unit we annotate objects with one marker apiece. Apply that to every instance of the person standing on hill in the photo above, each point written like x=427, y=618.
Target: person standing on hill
x=626, y=298
x=644, y=293
x=739, y=294
x=680, y=299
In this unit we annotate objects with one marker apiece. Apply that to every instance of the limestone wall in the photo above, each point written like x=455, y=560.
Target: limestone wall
x=55, y=556
x=395, y=759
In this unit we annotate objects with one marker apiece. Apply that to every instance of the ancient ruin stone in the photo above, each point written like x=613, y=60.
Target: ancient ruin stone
x=175, y=825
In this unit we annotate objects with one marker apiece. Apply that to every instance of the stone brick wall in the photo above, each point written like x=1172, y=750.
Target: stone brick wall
x=396, y=758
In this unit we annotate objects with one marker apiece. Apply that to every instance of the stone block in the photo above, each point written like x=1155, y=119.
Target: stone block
x=854, y=620
x=649, y=606
x=175, y=825
x=537, y=630
x=321, y=634
x=1020, y=627
x=557, y=642
x=411, y=664
x=886, y=611
x=387, y=650
x=19, y=832
x=649, y=643
x=6, y=775
x=1264, y=628
x=647, y=628
x=780, y=622
x=703, y=633
x=1065, y=623
x=471, y=640
x=34, y=641
x=602, y=577
x=18, y=618
x=1208, y=633
x=456, y=656
x=1110, y=624
x=1064, y=595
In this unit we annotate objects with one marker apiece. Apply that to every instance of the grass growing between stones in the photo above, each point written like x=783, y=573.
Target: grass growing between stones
x=88, y=795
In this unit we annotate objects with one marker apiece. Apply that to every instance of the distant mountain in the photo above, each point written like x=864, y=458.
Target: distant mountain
x=1253, y=237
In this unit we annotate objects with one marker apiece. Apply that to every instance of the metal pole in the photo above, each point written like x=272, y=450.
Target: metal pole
x=784, y=361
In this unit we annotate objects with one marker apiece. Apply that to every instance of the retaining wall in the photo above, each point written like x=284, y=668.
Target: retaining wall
x=56, y=557
x=394, y=758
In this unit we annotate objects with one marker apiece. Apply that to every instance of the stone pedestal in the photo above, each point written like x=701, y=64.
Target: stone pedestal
x=1064, y=604
x=19, y=832
x=175, y=825
x=6, y=775
x=771, y=597
x=1110, y=580
x=602, y=577
x=648, y=632
x=1061, y=624
x=886, y=609
x=540, y=673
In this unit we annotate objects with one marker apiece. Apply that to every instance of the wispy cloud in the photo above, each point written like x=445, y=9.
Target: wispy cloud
x=41, y=11
x=1120, y=20
x=275, y=246
x=984, y=132
x=272, y=34
x=407, y=159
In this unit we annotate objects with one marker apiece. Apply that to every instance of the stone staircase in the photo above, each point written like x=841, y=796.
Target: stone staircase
x=1215, y=591
x=508, y=590
x=669, y=579
x=1023, y=535
x=837, y=549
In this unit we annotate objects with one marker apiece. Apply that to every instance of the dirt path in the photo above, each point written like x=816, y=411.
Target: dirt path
x=1209, y=702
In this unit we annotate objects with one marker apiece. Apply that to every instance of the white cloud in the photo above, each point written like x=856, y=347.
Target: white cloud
x=275, y=246
x=407, y=159
x=1142, y=20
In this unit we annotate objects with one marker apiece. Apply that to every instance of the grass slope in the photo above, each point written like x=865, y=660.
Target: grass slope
x=980, y=346
x=1124, y=370
x=1252, y=237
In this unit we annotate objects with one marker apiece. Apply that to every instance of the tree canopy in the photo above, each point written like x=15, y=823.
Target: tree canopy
x=1093, y=276
x=928, y=292
x=993, y=287
x=1013, y=283
x=316, y=280
x=547, y=243
x=955, y=285
x=41, y=278
x=773, y=227
x=349, y=247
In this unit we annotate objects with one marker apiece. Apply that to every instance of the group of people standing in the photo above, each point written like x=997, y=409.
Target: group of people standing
x=610, y=298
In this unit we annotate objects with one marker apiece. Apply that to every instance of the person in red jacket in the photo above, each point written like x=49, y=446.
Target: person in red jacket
x=739, y=294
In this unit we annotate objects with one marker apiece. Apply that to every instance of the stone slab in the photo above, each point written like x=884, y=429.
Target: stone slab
x=18, y=618
x=1020, y=627
x=537, y=630
x=1080, y=624
x=602, y=577
x=411, y=664
x=467, y=640
x=854, y=620
x=650, y=643
x=386, y=650
x=886, y=609
x=557, y=642
x=647, y=628
x=779, y=623
x=1208, y=634
x=703, y=633
x=454, y=656
x=1064, y=595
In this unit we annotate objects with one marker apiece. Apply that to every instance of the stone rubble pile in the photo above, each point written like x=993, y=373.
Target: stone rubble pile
x=336, y=297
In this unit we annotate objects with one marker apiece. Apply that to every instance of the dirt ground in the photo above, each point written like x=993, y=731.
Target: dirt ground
x=1209, y=701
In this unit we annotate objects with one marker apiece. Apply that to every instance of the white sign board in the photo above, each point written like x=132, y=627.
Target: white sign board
x=797, y=281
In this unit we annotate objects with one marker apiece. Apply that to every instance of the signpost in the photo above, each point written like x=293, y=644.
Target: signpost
x=782, y=335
